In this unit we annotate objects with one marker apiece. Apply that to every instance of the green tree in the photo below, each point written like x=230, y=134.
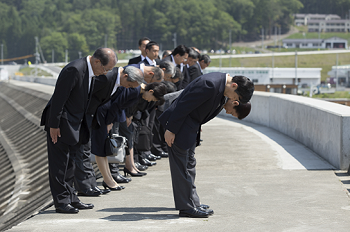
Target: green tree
x=58, y=42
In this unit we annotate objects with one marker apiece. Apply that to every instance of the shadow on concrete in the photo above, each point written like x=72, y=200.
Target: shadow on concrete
x=140, y=213
x=294, y=154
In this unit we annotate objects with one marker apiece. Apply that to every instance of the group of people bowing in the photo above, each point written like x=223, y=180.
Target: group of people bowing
x=158, y=105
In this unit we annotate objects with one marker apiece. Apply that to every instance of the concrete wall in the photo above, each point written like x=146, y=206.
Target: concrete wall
x=322, y=126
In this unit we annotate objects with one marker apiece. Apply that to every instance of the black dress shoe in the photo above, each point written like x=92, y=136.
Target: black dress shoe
x=89, y=192
x=121, y=179
x=193, y=213
x=209, y=211
x=204, y=206
x=145, y=161
x=164, y=154
x=102, y=191
x=150, y=157
x=140, y=166
x=81, y=205
x=66, y=209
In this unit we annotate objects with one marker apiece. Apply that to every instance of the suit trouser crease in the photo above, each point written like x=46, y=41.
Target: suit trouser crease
x=84, y=173
x=61, y=172
x=183, y=173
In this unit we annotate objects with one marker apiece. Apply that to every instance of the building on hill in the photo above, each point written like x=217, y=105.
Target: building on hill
x=303, y=19
x=333, y=42
x=339, y=25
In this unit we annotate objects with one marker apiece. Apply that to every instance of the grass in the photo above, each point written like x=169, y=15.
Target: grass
x=28, y=71
x=324, y=61
x=337, y=94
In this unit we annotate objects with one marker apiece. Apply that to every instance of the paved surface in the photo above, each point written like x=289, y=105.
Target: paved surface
x=254, y=178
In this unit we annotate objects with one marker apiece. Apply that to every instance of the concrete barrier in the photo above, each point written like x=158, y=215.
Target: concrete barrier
x=322, y=126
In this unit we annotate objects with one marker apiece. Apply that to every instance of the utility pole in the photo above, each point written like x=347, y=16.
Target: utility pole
x=2, y=54
x=275, y=36
x=174, y=39
x=53, y=56
x=230, y=48
x=336, y=74
x=37, y=55
x=79, y=54
x=296, y=67
x=262, y=38
x=279, y=38
x=105, y=42
x=66, y=56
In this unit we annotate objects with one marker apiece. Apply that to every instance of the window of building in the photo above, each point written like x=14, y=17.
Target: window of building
x=289, y=44
x=255, y=80
x=305, y=44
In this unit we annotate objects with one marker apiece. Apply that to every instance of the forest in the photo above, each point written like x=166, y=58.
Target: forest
x=81, y=26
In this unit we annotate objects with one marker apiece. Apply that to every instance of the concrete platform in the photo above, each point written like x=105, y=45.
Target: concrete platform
x=254, y=178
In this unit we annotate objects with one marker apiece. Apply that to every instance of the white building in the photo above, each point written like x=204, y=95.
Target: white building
x=266, y=76
x=339, y=25
x=303, y=19
x=342, y=73
x=333, y=42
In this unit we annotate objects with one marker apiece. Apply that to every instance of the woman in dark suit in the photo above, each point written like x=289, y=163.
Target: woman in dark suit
x=113, y=111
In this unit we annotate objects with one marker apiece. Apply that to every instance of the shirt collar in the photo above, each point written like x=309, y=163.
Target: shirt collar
x=142, y=67
x=142, y=57
x=151, y=62
x=91, y=72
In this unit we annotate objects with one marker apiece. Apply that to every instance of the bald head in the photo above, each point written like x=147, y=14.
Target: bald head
x=103, y=60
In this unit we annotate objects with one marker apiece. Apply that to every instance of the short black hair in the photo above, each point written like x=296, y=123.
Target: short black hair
x=150, y=44
x=243, y=110
x=245, y=88
x=171, y=87
x=159, y=90
x=205, y=58
x=181, y=50
x=178, y=74
x=143, y=39
x=193, y=54
x=102, y=55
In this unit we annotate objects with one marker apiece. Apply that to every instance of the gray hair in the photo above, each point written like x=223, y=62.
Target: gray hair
x=134, y=74
x=169, y=67
x=158, y=73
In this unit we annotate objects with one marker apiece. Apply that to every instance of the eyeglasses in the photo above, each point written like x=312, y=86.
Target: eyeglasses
x=106, y=71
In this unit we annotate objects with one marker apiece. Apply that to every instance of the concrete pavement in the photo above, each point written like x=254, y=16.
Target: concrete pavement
x=254, y=178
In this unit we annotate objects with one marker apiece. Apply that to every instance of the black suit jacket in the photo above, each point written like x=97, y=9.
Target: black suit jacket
x=135, y=60
x=187, y=78
x=198, y=103
x=145, y=61
x=195, y=71
x=68, y=104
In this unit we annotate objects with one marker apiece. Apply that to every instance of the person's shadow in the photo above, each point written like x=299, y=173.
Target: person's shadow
x=140, y=213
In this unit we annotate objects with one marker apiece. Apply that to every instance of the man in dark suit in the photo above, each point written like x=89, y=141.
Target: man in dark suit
x=152, y=51
x=204, y=62
x=142, y=47
x=178, y=57
x=65, y=121
x=198, y=103
x=193, y=57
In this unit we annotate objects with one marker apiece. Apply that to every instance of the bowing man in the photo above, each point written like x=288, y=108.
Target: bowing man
x=198, y=103
x=65, y=121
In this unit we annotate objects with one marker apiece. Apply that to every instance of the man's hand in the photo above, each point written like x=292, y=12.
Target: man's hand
x=54, y=133
x=128, y=121
x=169, y=137
x=109, y=127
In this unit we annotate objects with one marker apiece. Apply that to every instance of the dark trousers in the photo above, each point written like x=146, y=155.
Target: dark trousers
x=158, y=143
x=183, y=174
x=61, y=172
x=84, y=173
x=147, y=122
